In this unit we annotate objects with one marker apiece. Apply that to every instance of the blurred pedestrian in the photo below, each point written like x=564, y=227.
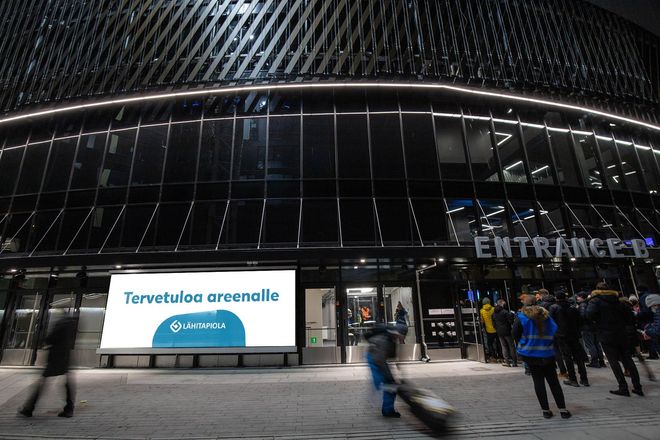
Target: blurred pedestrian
x=645, y=317
x=611, y=318
x=486, y=315
x=653, y=330
x=589, y=334
x=633, y=336
x=568, y=339
x=401, y=318
x=503, y=321
x=534, y=329
x=382, y=346
x=547, y=301
x=60, y=343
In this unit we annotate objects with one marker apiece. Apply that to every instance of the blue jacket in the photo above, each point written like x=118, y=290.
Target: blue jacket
x=653, y=330
x=530, y=343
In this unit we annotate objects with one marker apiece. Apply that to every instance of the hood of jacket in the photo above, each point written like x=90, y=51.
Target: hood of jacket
x=487, y=307
x=498, y=308
x=610, y=296
x=535, y=312
x=548, y=299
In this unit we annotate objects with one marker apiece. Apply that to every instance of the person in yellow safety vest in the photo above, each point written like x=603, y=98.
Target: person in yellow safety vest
x=493, y=346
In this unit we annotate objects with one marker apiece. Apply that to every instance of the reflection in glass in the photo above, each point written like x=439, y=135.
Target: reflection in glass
x=610, y=163
x=585, y=151
x=403, y=314
x=421, y=159
x=215, y=152
x=118, y=158
x=632, y=173
x=88, y=161
x=90, y=320
x=182, y=151
x=551, y=219
x=284, y=148
x=647, y=160
x=250, y=149
x=538, y=154
x=449, y=137
x=493, y=217
x=59, y=164
x=22, y=326
x=149, y=155
x=461, y=219
x=482, y=158
x=10, y=162
x=509, y=148
x=318, y=147
x=33, y=168
x=567, y=168
x=523, y=219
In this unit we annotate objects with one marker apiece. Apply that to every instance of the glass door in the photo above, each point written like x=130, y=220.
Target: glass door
x=22, y=330
x=473, y=339
x=321, y=330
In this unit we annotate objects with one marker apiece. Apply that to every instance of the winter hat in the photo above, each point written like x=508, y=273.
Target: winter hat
x=485, y=301
x=561, y=295
x=633, y=299
x=652, y=300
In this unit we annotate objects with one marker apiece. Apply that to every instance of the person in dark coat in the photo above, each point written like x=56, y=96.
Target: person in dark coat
x=547, y=301
x=503, y=321
x=568, y=339
x=634, y=339
x=644, y=318
x=382, y=346
x=60, y=341
x=611, y=317
x=589, y=334
x=534, y=330
x=653, y=330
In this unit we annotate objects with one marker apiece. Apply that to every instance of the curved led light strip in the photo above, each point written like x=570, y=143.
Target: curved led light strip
x=254, y=88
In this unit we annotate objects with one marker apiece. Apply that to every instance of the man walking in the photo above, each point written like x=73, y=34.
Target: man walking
x=589, y=335
x=610, y=318
x=568, y=339
x=503, y=322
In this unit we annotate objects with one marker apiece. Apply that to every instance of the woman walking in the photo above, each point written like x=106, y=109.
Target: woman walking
x=535, y=330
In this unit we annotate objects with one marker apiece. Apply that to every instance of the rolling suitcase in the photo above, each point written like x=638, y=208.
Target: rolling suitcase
x=426, y=406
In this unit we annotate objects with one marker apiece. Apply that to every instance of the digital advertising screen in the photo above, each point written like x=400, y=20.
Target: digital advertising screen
x=200, y=311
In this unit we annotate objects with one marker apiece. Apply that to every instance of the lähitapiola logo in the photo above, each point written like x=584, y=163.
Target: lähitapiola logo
x=176, y=326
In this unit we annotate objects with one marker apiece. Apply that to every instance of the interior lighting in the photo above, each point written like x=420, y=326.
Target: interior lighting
x=441, y=260
x=495, y=213
x=514, y=165
x=12, y=270
x=540, y=169
x=363, y=260
x=528, y=217
x=355, y=267
x=572, y=258
x=118, y=266
x=507, y=136
x=456, y=210
x=509, y=111
x=348, y=85
x=631, y=172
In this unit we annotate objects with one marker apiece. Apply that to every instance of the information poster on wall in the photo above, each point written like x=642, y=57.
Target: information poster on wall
x=223, y=311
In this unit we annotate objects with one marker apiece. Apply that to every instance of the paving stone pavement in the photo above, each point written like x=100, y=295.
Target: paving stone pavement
x=324, y=403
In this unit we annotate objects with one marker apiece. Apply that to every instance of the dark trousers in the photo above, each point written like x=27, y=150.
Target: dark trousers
x=34, y=397
x=592, y=345
x=542, y=374
x=620, y=353
x=559, y=359
x=381, y=381
x=572, y=353
x=508, y=349
x=494, y=349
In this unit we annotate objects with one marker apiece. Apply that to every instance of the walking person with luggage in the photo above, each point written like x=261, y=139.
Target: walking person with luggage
x=568, y=339
x=503, y=321
x=534, y=330
x=60, y=341
x=611, y=317
x=382, y=347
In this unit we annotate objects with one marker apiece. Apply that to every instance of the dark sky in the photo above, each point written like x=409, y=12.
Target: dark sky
x=645, y=13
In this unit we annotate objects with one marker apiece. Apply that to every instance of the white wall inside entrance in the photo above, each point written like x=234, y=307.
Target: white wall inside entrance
x=320, y=318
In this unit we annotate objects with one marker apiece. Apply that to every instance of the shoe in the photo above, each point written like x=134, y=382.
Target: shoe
x=601, y=364
x=638, y=391
x=547, y=414
x=25, y=412
x=393, y=414
x=584, y=382
x=68, y=413
x=565, y=414
x=572, y=383
x=620, y=392
x=593, y=365
x=515, y=365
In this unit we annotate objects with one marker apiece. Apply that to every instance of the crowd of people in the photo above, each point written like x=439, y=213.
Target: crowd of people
x=556, y=336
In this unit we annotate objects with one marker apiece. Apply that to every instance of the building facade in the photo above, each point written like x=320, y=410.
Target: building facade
x=387, y=151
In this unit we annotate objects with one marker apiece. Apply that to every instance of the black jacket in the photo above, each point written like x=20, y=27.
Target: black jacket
x=610, y=316
x=567, y=319
x=60, y=340
x=502, y=321
x=585, y=324
x=547, y=301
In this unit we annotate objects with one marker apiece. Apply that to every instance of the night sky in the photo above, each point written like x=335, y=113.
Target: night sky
x=645, y=13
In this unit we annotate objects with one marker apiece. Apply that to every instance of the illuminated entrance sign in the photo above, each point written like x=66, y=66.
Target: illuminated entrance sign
x=541, y=247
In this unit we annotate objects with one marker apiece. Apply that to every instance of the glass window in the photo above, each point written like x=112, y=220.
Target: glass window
x=610, y=163
x=59, y=164
x=430, y=220
x=3, y=305
x=394, y=221
x=321, y=318
x=205, y=223
x=10, y=165
x=358, y=222
x=284, y=148
x=284, y=102
x=647, y=159
x=484, y=165
x=43, y=229
x=117, y=165
x=632, y=173
x=319, y=223
x=215, y=153
x=253, y=103
x=448, y=134
x=281, y=223
x=127, y=116
x=551, y=219
x=461, y=220
x=171, y=221
x=399, y=310
x=149, y=154
x=318, y=147
x=386, y=150
x=509, y=148
x=182, y=150
x=586, y=158
x=352, y=146
x=538, y=154
x=21, y=328
x=136, y=221
x=88, y=161
x=317, y=102
x=60, y=307
x=523, y=219
x=493, y=217
x=102, y=222
x=250, y=148
x=72, y=227
x=244, y=223
x=90, y=320
x=362, y=309
x=160, y=111
x=421, y=159
x=16, y=233
x=566, y=165
x=33, y=168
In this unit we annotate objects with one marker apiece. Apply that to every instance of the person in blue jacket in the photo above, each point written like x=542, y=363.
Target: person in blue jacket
x=653, y=330
x=535, y=330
